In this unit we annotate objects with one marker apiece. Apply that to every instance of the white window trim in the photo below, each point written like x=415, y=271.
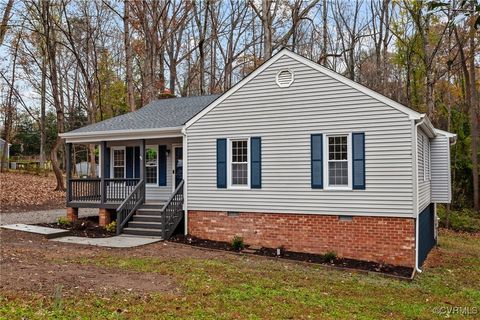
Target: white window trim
x=156, y=148
x=326, y=185
x=229, y=164
x=112, y=163
x=426, y=159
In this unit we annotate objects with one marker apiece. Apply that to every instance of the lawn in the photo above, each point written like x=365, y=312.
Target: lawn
x=170, y=281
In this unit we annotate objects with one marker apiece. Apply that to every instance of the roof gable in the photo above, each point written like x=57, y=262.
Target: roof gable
x=325, y=71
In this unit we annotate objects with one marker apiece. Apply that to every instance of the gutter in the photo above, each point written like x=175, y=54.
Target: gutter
x=417, y=224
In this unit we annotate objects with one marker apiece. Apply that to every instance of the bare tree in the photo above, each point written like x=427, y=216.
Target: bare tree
x=5, y=19
x=128, y=56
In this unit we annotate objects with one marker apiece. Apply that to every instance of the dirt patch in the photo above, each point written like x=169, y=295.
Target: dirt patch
x=27, y=192
x=388, y=269
x=73, y=278
x=31, y=263
x=84, y=227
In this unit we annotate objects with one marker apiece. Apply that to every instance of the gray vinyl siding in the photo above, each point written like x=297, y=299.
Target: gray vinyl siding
x=423, y=179
x=440, y=184
x=285, y=118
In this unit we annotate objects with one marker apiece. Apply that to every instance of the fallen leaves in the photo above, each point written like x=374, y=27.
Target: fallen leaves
x=25, y=192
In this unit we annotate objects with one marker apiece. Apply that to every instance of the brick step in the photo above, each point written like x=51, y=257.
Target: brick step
x=146, y=218
x=143, y=232
x=144, y=224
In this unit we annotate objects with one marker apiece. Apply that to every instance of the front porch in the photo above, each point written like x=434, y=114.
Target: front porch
x=129, y=176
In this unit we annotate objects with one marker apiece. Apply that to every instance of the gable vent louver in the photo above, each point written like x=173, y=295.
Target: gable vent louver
x=285, y=78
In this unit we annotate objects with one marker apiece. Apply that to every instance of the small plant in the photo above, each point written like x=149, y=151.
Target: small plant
x=111, y=227
x=57, y=297
x=64, y=222
x=330, y=256
x=237, y=243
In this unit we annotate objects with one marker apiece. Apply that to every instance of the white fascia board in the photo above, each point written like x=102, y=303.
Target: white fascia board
x=452, y=137
x=285, y=52
x=117, y=135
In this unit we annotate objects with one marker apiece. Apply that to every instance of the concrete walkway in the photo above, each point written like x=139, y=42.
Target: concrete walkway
x=44, y=231
x=122, y=241
x=41, y=216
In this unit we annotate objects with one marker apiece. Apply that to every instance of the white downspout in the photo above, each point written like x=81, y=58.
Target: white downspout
x=417, y=269
x=185, y=178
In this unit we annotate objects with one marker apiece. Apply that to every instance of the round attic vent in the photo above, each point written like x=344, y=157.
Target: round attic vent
x=285, y=78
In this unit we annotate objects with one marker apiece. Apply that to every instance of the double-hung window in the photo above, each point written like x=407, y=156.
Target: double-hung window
x=426, y=158
x=151, y=160
x=118, y=168
x=338, y=161
x=239, y=163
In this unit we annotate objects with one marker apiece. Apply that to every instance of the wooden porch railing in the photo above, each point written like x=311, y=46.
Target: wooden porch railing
x=90, y=190
x=172, y=212
x=128, y=207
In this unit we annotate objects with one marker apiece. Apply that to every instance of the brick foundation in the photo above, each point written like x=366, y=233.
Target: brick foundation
x=379, y=239
x=72, y=214
x=104, y=216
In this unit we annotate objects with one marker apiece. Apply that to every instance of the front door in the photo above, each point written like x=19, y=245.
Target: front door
x=178, y=165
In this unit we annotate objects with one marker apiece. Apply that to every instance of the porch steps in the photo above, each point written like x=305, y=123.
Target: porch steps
x=148, y=212
x=147, y=218
x=147, y=221
x=143, y=231
x=145, y=224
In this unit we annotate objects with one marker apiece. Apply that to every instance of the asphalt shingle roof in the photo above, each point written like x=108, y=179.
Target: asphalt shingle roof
x=164, y=113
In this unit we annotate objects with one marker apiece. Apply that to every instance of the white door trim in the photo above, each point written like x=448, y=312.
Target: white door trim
x=172, y=156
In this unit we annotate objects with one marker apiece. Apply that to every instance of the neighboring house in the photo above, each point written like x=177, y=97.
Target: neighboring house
x=7, y=156
x=294, y=156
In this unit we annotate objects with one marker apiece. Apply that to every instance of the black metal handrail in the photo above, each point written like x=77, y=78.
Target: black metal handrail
x=172, y=212
x=128, y=207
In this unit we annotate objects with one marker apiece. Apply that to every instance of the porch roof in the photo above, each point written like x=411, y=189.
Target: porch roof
x=159, y=114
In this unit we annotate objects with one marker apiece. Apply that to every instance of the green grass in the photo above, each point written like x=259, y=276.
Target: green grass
x=459, y=220
x=238, y=287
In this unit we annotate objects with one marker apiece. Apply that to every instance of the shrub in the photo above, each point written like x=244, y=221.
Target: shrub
x=330, y=256
x=111, y=227
x=64, y=222
x=237, y=243
x=459, y=220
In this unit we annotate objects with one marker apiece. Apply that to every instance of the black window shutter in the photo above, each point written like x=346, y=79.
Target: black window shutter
x=316, y=150
x=256, y=159
x=137, y=161
x=162, y=165
x=358, y=160
x=221, y=163
x=129, y=161
x=106, y=170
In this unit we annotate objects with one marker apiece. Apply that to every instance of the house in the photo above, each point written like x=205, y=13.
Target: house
x=294, y=156
x=7, y=155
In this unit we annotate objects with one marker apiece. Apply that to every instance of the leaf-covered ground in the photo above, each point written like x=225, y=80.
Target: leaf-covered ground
x=44, y=280
x=26, y=192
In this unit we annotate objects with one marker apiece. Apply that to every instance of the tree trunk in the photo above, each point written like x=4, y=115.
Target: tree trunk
x=474, y=118
x=52, y=61
x=323, y=59
x=9, y=109
x=4, y=23
x=43, y=92
x=128, y=57
x=267, y=29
